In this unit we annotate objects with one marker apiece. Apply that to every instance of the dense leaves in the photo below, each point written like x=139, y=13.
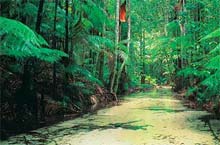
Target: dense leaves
x=20, y=41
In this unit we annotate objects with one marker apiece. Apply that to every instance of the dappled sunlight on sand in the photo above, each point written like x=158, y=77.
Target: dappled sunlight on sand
x=153, y=118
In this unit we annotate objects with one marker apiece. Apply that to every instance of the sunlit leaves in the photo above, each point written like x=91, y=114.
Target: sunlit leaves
x=190, y=71
x=95, y=14
x=101, y=42
x=18, y=40
x=214, y=63
x=79, y=71
x=213, y=34
x=216, y=49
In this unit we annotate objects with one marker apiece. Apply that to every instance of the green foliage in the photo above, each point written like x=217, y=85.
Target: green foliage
x=191, y=91
x=78, y=71
x=151, y=81
x=213, y=34
x=101, y=42
x=19, y=41
x=216, y=49
x=214, y=63
x=173, y=28
x=95, y=15
x=193, y=72
x=29, y=9
x=165, y=48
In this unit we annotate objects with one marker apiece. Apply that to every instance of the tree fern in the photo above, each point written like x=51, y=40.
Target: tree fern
x=78, y=71
x=29, y=9
x=18, y=40
x=101, y=42
x=95, y=14
x=213, y=34
x=214, y=63
x=216, y=49
x=190, y=71
x=213, y=84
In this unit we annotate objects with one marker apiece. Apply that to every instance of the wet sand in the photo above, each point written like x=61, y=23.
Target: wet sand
x=152, y=118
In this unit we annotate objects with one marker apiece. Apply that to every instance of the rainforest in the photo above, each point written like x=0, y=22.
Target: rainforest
x=110, y=72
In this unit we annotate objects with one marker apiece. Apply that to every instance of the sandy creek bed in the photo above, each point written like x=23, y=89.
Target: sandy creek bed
x=152, y=118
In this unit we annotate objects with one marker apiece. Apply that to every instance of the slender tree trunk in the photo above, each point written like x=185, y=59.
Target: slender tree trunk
x=101, y=65
x=39, y=16
x=129, y=24
x=102, y=54
x=121, y=78
x=119, y=75
x=129, y=39
x=54, y=47
x=37, y=28
x=42, y=103
x=23, y=18
x=28, y=76
x=66, y=45
x=116, y=46
x=143, y=72
x=179, y=81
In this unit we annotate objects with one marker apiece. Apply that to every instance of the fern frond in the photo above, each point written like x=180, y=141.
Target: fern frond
x=191, y=90
x=96, y=14
x=76, y=70
x=189, y=71
x=214, y=63
x=213, y=34
x=122, y=54
x=18, y=40
x=101, y=42
x=216, y=49
x=213, y=83
x=50, y=55
x=29, y=9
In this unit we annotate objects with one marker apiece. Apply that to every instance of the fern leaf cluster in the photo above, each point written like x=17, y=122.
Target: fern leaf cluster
x=19, y=41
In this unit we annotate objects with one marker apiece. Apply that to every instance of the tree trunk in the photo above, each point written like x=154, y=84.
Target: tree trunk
x=100, y=66
x=39, y=16
x=116, y=47
x=179, y=81
x=143, y=72
x=121, y=78
x=66, y=45
x=54, y=47
x=129, y=24
x=102, y=54
x=23, y=18
x=37, y=28
x=118, y=76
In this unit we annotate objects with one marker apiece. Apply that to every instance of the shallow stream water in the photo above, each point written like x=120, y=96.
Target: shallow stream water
x=151, y=118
